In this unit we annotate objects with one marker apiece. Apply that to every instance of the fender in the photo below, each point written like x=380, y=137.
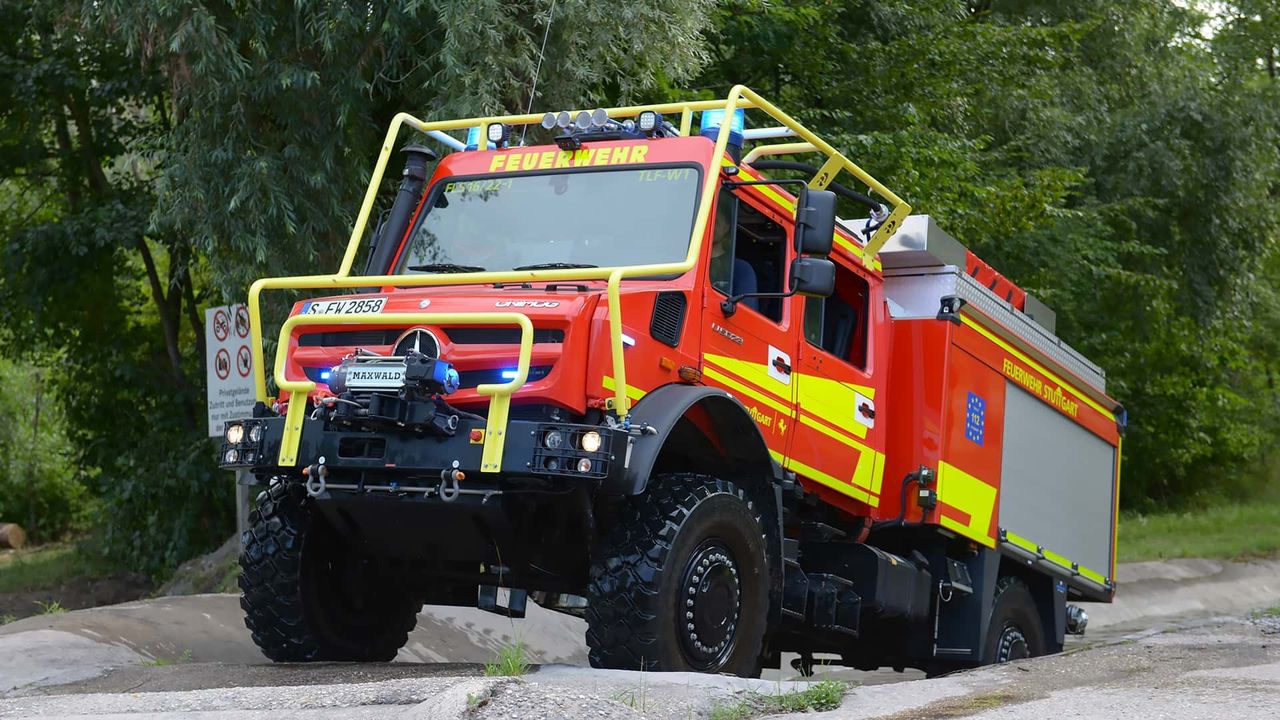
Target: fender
x=663, y=408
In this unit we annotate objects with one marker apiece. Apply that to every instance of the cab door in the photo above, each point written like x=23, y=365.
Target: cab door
x=751, y=353
x=839, y=436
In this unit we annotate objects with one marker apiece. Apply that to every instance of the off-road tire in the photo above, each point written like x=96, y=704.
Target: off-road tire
x=296, y=607
x=690, y=551
x=1015, y=631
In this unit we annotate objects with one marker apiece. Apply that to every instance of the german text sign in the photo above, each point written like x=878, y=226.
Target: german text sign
x=230, y=365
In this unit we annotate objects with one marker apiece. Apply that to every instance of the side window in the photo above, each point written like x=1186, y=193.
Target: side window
x=838, y=324
x=748, y=255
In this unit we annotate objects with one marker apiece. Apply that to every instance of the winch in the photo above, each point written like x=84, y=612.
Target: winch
x=398, y=391
x=416, y=372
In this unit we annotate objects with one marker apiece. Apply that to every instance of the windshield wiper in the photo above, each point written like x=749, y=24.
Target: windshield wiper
x=556, y=266
x=446, y=268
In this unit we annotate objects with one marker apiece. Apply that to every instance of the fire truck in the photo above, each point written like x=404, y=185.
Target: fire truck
x=648, y=373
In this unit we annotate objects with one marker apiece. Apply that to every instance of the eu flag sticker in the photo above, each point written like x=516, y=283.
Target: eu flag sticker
x=975, y=418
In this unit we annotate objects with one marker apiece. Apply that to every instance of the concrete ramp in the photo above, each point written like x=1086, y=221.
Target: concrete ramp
x=52, y=649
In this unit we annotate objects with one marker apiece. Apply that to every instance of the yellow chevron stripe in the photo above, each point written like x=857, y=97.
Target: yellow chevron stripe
x=751, y=393
x=812, y=473
x=755, y=373
x=870, y=469
x=971, y=496
x=633, y=392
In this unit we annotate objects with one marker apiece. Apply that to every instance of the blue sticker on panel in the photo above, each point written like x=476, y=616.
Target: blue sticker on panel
x=975, y=418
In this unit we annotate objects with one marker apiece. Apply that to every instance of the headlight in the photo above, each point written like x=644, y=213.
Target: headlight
x=255, y=434
x=590, y=441
x=554, y=439
x=584, y=465
x=235, y=433
x=232, y=456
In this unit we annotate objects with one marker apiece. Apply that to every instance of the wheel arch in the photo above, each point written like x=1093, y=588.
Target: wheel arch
x=698, y=429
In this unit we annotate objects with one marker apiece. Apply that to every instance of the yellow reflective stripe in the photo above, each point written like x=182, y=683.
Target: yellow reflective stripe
x=1053, y=557
x=723, y=379
x=755, y=373
x=870, y=467
x=1100, y=579
x=633, y=392
x=812, y=473
x=971, y=496
x=1037, y=366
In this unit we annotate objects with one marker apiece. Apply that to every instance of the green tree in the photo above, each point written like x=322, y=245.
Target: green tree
x=1099, y=154
x=156, y=157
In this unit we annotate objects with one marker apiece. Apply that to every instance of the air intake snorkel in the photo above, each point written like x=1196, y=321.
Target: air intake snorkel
x=387, y=238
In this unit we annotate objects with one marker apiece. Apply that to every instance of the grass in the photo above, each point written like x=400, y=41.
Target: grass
x=43, y=567
x=820, y=696
x=510, y=662
x=636, y=698
x=1227, y=531
x=1269, y=612
x=53, y=607
x=963, y=706
x=185, y=657
x=7, y=618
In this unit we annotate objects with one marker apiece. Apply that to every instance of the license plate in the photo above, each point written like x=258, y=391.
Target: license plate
x=353, y=306
x=376, y=377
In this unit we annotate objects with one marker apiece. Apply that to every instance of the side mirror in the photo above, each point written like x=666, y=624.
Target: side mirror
x=815, y=221
x=812, y=276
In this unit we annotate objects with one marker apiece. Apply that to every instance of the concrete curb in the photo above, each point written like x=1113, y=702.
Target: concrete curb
x=456, y=702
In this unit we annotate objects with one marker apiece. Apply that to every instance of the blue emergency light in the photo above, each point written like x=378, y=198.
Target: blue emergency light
x=713, y=119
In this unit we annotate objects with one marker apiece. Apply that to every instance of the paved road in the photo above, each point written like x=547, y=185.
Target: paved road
x=189, y=657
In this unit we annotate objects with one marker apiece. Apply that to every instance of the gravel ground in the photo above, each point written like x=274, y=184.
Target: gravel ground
x=1217, y=670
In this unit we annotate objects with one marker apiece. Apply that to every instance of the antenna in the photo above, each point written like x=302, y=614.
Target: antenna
x=537, y=70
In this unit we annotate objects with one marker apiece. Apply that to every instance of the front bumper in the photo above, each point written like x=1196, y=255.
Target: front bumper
x=382, y=456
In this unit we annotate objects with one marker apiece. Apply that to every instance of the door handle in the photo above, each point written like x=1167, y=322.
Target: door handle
x=867, y=411
x=781, y=366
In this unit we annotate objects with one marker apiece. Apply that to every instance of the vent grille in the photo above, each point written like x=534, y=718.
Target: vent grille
x=668, y=317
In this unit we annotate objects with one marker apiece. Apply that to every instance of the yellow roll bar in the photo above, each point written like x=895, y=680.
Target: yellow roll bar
x=499, y=394
x=739, y=97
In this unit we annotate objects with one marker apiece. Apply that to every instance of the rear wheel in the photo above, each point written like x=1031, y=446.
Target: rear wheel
x=308, y=596
x=681, y=581
x=1015, y=631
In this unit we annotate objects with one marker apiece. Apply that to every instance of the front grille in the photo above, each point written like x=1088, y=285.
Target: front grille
x=357, y=338
x=457, y=335
x=472, y=378
x=499, y=336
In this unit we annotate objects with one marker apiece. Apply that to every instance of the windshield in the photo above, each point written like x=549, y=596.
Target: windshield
x=564, y=219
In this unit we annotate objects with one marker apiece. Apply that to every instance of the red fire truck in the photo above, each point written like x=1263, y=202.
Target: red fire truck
x=643, y=374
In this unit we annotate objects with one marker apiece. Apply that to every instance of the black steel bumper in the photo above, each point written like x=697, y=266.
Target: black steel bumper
x=383, y=456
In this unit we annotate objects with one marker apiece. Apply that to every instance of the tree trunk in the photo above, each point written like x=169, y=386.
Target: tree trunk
x=12, y=536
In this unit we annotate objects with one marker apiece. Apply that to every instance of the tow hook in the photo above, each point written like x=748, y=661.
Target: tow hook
x=316, y=475
x=449, y=477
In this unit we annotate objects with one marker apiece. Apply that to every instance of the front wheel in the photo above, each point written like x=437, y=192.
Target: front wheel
x=308, y=595
x=680, y=581
x=1015, y=631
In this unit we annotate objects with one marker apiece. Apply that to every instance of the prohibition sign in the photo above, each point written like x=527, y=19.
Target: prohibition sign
x=242, y=321
x=222, y=364
x=243, y=363
x=221, y=325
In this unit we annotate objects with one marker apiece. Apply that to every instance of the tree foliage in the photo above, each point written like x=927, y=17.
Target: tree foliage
x=1118, y=158
x=1108, y=156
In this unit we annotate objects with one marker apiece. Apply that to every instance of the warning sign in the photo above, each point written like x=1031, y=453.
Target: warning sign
x=230, y=361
